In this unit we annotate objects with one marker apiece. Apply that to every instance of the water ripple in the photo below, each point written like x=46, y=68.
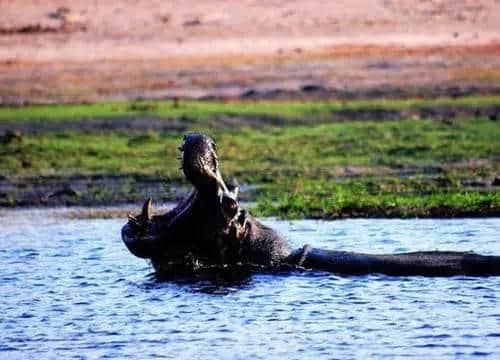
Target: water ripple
x=70, y=289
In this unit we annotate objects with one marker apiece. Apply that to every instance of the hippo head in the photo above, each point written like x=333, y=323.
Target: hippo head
x=144, y=233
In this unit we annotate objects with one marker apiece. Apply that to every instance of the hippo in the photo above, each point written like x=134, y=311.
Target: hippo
x=210, y=228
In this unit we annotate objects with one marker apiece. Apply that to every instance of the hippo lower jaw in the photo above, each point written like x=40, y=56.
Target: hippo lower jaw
x=142, y=234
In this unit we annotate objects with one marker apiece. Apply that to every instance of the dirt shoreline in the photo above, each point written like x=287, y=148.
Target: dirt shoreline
x=114, y=190
x=65, y=51
x=120, y=210
x=353, y=76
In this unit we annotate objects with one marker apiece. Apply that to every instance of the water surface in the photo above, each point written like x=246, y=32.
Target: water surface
x=70, y=289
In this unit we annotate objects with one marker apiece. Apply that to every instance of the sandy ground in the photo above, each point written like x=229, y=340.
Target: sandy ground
x=53, y=51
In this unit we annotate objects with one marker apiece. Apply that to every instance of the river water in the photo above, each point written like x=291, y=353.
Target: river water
x=70, y=289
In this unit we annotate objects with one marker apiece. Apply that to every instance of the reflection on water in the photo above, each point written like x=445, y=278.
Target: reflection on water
x=70, y=289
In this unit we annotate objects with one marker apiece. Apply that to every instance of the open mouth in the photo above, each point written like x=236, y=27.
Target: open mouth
x=199, y=162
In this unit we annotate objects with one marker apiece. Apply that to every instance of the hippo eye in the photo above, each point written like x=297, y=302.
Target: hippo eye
x=230, y=206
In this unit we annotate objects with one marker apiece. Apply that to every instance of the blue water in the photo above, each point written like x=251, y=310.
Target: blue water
x=70, y=289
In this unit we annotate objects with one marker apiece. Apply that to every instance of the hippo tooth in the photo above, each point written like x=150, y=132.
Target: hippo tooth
x=147, y=209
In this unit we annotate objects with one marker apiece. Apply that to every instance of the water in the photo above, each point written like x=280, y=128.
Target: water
x=70, y=289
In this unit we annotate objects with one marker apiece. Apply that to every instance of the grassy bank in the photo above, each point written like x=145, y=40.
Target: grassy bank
x=376, y=197
x=257, y=155
x=204, y=110
x=305, y=163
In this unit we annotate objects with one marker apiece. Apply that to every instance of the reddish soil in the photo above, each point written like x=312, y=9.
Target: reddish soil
x=60, y=51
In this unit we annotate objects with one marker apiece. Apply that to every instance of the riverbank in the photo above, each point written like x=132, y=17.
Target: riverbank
x=409, y=157
x=63, y=51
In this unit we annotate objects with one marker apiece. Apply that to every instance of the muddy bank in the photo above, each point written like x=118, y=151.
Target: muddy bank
x=98, y=124
x=94, y=190
x=108, y=190
x=81, y=205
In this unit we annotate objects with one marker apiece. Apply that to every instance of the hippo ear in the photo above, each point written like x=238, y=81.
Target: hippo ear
x=234, y=187
x=147, y=210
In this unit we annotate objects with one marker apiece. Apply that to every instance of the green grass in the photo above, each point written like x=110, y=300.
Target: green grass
x=376, y=197
x=91, y=153
x=256, y=155
x=316, y=150
x=205, y=110
x=302, y=168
